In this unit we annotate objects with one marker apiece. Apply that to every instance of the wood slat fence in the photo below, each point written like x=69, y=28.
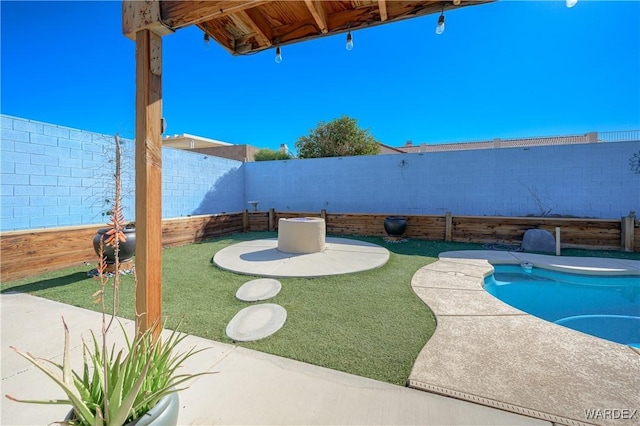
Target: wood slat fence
x=599, y=234
x=31, y=252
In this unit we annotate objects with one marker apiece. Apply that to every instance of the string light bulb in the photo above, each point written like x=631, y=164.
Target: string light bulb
x=278, y=57
x=571, y=3
x=206, y=40
x=440, y=26
x=456, y=2
x=349, y=44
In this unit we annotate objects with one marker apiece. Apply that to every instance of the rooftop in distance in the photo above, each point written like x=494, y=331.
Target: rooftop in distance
x=187, y=141
x=243, y=152
x=591, y=137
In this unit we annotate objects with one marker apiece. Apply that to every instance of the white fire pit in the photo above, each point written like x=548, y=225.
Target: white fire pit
x=301, y=235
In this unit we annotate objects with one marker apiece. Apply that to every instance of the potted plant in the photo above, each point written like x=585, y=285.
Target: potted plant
x=136, y=385
x=127, y=248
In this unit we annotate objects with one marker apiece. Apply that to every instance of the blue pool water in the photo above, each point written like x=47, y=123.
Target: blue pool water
x=603, y=306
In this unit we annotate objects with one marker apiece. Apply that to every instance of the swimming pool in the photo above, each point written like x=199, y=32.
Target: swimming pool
x=603, y=306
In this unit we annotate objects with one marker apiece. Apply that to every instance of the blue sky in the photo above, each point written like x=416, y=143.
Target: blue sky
x=506, y=69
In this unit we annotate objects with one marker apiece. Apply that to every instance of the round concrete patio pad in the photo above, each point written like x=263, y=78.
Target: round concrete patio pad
x=340, y=256
x=256, y=322
x=260, y=289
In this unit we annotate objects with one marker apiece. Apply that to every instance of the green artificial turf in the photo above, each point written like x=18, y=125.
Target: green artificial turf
x=368, y=323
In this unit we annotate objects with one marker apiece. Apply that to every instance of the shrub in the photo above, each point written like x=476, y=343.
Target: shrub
x=338, y=138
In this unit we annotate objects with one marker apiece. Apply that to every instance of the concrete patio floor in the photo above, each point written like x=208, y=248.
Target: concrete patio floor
x=488, y=352
x=262, y=258
x=250, y=387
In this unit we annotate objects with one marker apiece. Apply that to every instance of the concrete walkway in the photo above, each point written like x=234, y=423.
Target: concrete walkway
x=250, y=387
x=488, y=352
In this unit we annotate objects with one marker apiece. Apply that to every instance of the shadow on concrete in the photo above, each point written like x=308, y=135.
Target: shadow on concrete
x=267, y=255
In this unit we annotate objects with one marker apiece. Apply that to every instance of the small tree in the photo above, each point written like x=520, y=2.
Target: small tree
x=338, y=138
x=267, y=154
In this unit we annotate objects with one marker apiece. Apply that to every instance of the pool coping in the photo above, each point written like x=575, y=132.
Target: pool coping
x=488, y=352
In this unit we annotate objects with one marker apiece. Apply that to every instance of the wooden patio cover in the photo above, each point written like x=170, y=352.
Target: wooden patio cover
x=240, y=27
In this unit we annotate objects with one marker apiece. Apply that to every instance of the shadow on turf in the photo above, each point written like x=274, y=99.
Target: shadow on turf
x=48, y=283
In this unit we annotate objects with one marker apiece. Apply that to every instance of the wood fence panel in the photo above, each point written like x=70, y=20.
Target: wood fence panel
x=484, y=229
x=420, y=227
x=356, y=224
x=223, y=225
x=600, y=234
x=577, y=233
x=426, y=227
x=258, y=221
x=181, y=231
x=27, y=253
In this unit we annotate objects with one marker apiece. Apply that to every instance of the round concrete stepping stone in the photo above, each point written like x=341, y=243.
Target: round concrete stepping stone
x=256, y=322
x=260, y=289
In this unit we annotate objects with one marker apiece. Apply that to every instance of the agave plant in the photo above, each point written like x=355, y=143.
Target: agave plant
x=115, y=387
x=134, y=382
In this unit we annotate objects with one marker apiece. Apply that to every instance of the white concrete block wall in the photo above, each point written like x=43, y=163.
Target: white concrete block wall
x=200, y=184
x=56, y=176
x=586, y=180
x=53, y=176
x=41, y=183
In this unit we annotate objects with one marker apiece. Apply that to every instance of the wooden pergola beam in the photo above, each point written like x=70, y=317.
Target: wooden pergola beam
x=382, y=5
x=142, y=15
x=318, y=14
x=185, y=13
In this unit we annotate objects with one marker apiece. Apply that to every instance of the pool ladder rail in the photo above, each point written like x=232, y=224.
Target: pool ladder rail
x=527, y=267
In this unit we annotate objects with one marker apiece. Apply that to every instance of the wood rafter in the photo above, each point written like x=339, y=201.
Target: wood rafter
x=250, y=26
x=258, y=24
x=178, y=14
x=382, y=5
x=318, y=14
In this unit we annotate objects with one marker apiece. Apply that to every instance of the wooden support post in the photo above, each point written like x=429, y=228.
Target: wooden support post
x=148, y=166
x=272, y=220
x=142, y=15
x=627, y=230
x=245, y=220
x=323, y=215
x=448, y=226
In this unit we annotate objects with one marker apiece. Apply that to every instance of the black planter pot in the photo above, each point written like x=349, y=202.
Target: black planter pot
x=126, y=249
x=395, y=225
